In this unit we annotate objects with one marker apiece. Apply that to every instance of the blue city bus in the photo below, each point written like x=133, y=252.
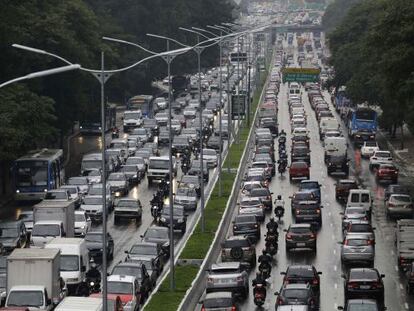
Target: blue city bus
x=37, y=172
x=362, y=124
x=143, y=103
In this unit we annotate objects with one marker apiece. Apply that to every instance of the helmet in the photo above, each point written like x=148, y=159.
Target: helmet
x=279, y=197
x=272, y=219
x=263, y=252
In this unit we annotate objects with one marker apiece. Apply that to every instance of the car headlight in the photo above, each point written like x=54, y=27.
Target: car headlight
x=166, y=244
x=163, y=219
x=180, y=220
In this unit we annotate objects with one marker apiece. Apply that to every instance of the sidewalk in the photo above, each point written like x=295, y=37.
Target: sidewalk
x=404, y=156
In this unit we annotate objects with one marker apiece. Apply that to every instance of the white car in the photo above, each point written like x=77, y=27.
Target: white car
x=161, y=102
x=210, y=155
x=368, y=148
x=380, y=157
x=82, y=223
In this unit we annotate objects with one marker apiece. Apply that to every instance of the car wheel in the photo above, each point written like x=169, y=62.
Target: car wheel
x=236, y=253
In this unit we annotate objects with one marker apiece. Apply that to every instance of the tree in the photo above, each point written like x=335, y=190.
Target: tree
x=336, y=12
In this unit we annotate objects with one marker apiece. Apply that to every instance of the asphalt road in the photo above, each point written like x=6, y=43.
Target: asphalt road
x=327, y=259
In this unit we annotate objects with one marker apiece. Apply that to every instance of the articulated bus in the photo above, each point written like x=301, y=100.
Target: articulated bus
x=38, y=172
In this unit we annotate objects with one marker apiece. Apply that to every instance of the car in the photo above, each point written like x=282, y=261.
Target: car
x=82, y=223
x=186, y=197
x=299, y=169
x=302, y=274
x=229, y=277
x=409, y=285
x=3, y=288
x=308, y=212
x=399, y=206
x=357, y=249
x=300, y=153
x=364, y=283
x=263, y=157
x=195, y=169
x=380, y=157
x=179, y=218
x=252, y=206
x=142, y=134
x=118, y=183
x=181, y=144
x=93, y=206
x=150, y=266
x=395, y=189
x=58, y=195
x=342, y=188
x=360, y=227
x=147, y=251
x=162, y=118
x=352, y=214
x=127, y=288
x=152, y=127
x=141, y=165
x=13, y=235
x=190, y=113
x=387, y=172
x=74, y=193
x=137, y=270
x=338, y=164
x=128, y=208
x=239, y=248
x=369, y=148
x=189, y=181
x=82, y=182
x=159, y=235
x=94, y=244
x=312, y=186
x=214, y=143
x=300, y=236
x=210, y=155
x=257, y=175
x=246, y=225
x=219, y=301
x=299, y=196
x=27, y=218
x=268, y=170
x=360, y=304
x=267, y=150
x=94, y=176
x=300, y=138
x=264, y=195
x=297, y=294
x=164, y=136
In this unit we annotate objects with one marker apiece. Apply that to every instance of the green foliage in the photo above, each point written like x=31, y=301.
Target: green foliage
x=26, y=121
x=335, y=13
x=372, y=54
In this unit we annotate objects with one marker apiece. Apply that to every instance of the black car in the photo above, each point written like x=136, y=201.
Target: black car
x=300, y=196
x=271, y=124
x=13, y=235
x=195, y=169
x=395, y=189
x=300, y=138
x=300, y=236
x=302, y=274
x=342, y=188
x=151, y=125
x=94, y=244
x=266, y=150
x=139, y=271
x=360, y=304
x=246, y=225
x=308, y=212
x=214, y=142
x=181, y=144
x=179, y=218
x=150, y=265
x=300, y=153
x=364, y=283
x=148, y=251
x=160, y=236
x=297, y=294
x=264, y=195
x=338, y=164
x=191, y=181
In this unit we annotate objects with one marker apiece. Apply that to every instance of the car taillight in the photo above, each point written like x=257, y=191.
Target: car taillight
x=269, y=197
x=352, y=285
x=318, y=211
x=315, y=282
x=402, y=260
x=234, y=227
x=203, y=309
x=288, y=236
x=279, y=301
x=287, y=280
x=223, y=252
x=370, y=242
x=233, y=308
x=210, y=280
x=239, y=279
x=346, y=242
x=297, y=212
x=312, y=236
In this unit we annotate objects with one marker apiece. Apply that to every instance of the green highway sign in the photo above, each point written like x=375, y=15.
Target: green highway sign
x=300, y=74
x=238, y=106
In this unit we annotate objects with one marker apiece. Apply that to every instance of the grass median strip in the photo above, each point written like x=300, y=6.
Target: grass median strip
x=199, y=243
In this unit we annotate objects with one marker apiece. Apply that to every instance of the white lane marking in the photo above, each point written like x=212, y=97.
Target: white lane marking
x=406, y=305
x=329, y=213
x=335, y=306
x=396, y=268
x=401, y=286
x=334, y=251
x=331, y=224
x=392, y=252
x=335, y=268
x=336, y=285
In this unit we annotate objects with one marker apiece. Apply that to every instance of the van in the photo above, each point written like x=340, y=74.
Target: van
x=74, y=261
x=335, y=146
x=158, y=168
x=46, y=230
x=360, y=198
x=294, y=88
x=80, y=304
x=327, y=124
x=121, y=143
x=93, y=161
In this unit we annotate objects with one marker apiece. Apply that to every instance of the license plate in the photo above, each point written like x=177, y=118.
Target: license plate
x=307, y=218
x=365, y=287
x=300, y=244
x=224, y=281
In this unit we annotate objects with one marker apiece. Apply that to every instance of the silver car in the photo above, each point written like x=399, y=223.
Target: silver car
x=187, y=197
x=399, y=206
x=357, y=249
x=210, y=155
x=353, y=213
x=252, y=206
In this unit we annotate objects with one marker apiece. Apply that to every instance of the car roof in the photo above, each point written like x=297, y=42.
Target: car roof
x=300, y=226
x=218, y=295
x=229, y=264
x=297, y=286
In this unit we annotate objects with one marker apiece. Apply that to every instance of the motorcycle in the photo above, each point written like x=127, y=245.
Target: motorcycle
x=272, y=235
x=115, y=132
x=271, y=246
x=282, y=139
x=259, y=293
x=184, y=168
x=155, y=212
x=282, y=147
x=279, y=212
x=281, y=167
x=265, y=269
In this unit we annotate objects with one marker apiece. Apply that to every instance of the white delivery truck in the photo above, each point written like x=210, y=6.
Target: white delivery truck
x=132, y=119
x=158, y=168
x=335, y=147
x=33, y=279
x=56, y=211
x=404, y=241
x=74, y=261
x=327, y=124
x=80, y=304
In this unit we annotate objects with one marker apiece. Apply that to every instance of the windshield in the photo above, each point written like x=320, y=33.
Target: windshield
x=8, y=232
x=295, y=293
x=140, y=131
x=157, y=234
x=58, y=195
x=94, y=173
x=218, y=302
x=93, y=200
x=127, y=270
x=356, y=242
x=176, y=212
x=120, y=288
x=127, y=203
x=309, y=185
x=89, y=164
x=129, y=168
x=3, y=281
x=382, y=154
x=401, y=198
x=26, y=217
x=31, y=173
x=26, y=298
x=69, y=263
x=132, y=115
x=46, y=230
x=80, y=217
x=365, y=114
x=144, y=250
x=135, y=160
x=118, y=145
x=159, y=164
x=116, y=177
x=93, y=237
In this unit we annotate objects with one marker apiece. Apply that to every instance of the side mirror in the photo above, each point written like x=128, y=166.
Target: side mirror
x=382, y=276
x=320, y=272
x=340, y=308
x=276, y=293
x=283, y=273
x=83, y=268
x=285, y=230
x=126, y=252
x=341, y=213
x=321, y=206
x=142, y=236
x=221, y=244
x=341, y=243
x=49, y=301
x=343, y=276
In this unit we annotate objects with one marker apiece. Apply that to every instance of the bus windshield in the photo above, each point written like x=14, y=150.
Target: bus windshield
x=365, y=115
x=31, y=173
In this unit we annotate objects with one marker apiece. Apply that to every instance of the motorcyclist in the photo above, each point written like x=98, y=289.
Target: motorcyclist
x=282, y=133
x=265, y=259
x=272, y=225
x=259, y=280
x=283, y=155
x=279, y=205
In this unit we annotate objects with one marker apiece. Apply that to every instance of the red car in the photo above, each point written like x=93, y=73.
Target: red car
x=387, y=172
x=299, y=169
